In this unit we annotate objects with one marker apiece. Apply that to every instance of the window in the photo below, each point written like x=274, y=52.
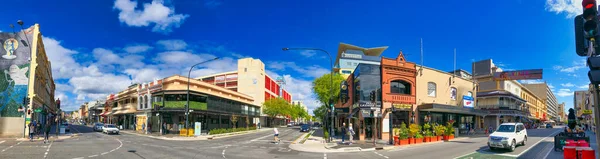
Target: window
x=346, y=72
x=400, y=87
x=453, y=93
x=349, y=63
x=355, y=64
x=470, y=94
x=431, y=88
x=245, y=69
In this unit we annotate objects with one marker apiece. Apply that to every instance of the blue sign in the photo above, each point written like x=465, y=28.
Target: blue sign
x=468, y=102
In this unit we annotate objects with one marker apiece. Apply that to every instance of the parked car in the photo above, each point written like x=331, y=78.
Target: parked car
x=98, y=126
x=290, y=125
x=548, y=126
x=66, y=126
x=305, y=128
x=110, y=129
x=507, y=136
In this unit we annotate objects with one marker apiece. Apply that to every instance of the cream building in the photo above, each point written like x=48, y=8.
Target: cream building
x=547, y=96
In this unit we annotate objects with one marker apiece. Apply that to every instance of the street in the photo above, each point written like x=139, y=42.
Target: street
x=90, y=144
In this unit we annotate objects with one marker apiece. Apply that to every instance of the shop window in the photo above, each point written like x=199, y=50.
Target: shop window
x=400, y=87
x=431, y=89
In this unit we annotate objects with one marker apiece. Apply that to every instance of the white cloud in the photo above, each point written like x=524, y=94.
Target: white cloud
x=536, y=81
x=308, y=53
x=309, y=71
x=567, y=84
x=104, y=84
x=63, y=64
x=550, y=86
x=583, y=86
x=301, y=90
x=570, y=7
x=155, y=13
x=570, y=69
x=564, y=92
x=172, y=45
x=106, y=57
x=137, y=48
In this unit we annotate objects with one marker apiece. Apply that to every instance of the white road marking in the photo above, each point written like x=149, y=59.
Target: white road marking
x=508, y=155
x=103, y=153
x=11, y=146
x=48, y=150
x=548, y=153
x=92, y=156
x=78, y=158
x=223, y=153
x=324, y=156
x=2, y=141
x=380, y=154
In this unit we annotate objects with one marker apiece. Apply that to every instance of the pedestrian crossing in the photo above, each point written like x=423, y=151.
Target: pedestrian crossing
x=2, y=141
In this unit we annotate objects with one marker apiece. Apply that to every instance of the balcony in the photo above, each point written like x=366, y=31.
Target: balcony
x=399, y=98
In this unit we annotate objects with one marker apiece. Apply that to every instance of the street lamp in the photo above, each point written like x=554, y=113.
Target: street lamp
x=330, y=80
x=187, y=103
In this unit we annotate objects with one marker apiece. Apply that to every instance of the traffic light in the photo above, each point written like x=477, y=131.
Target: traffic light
x=25, y=100
x=594, y=73
x=586, y=29
x=372, y=96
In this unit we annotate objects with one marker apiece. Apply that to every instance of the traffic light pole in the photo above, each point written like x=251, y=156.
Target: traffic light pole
x=597, y=114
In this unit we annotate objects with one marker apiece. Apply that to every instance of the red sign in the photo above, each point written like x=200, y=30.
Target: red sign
x=519, y=75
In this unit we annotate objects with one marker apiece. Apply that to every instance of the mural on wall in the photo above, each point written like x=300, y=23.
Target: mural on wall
x=14, y=63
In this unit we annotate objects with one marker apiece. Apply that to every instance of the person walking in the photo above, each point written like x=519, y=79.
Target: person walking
x=32, y=127
x=350, y=134
x=47, y=131
x=343, y=129
x=144, y=128
x=149, y=128
x=164, y=128
x=276, y=136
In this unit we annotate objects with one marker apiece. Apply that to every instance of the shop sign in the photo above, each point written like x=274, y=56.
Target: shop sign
x=368, y=104
x=354, y=56
x=519, y=75
x=399, y=106
x=366, y=113
x=587, y=112
x=468, y=102
x=38, y=110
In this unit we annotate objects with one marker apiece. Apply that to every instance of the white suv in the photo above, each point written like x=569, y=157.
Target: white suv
x=507, y=136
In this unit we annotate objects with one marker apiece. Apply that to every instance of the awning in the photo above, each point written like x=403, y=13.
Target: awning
x=451, y=109
x=128, y=111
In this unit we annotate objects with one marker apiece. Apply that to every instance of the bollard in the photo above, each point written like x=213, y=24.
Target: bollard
x=587, y=153
x=569, y=152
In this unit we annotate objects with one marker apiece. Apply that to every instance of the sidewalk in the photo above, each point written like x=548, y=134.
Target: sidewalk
x=176, y=137
x=52, y=136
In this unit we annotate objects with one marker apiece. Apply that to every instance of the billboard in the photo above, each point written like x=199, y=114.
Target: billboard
x=468, y=102
x=518, y=75
x=14, y=67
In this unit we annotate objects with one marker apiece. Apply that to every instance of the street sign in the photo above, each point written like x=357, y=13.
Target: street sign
x=587, y=112
x=38, y=110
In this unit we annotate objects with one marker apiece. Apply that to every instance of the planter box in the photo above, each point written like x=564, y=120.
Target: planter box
x=404, y=141
x=396, y=141
x=419, y=140
x=451, y=137
x=438, y=138
x=411, y=140
x=428, y=139
x=448, y=137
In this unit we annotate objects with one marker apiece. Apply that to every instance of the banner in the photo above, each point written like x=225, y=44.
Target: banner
x=519, y=75
x=14, y=67
x=468, y=102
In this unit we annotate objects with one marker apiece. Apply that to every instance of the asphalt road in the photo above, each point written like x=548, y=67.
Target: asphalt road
x=257, y=145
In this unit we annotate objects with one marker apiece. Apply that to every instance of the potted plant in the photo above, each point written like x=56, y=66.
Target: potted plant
x=439, y=131
x=396, y=132
x=419, y=136
x=428, y=133
x=413, y=131
x=449, y=132
x=403, y=135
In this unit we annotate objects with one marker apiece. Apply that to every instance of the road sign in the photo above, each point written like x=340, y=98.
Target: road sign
x=38, y=110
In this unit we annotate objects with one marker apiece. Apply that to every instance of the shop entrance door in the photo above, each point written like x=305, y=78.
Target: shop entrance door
x=368, y=128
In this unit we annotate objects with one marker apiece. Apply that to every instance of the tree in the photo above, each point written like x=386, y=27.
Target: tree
x=320, y=112
x=276, y=107
x=321, y=87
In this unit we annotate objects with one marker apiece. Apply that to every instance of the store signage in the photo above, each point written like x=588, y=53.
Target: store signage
x=354, y=56
x=38, y=110
x=587, y=112
x=368, y=104
x=197, y=128
x=401, y=106
x=468, y=102
x=519, y=75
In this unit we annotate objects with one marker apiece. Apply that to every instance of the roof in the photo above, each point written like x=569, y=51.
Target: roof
x=374, y=51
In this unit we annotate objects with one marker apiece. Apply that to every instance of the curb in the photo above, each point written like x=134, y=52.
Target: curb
x=208, y=137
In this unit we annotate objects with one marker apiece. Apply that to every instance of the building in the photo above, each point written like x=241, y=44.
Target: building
x=23, y=58
x=584, y=106
x=561, y=113
x=95, y=109
x=505, y=100
x=84, y=112
x=251, y=79
x=398, y=91
x=124, y=112
x=543, y=91
x=535, y=106
x=349, y=56
x=109, y=104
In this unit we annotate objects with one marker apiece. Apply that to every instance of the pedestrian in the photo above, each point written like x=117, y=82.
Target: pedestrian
x=468, y=128
x=343, y=132
x=47, y=131
x=276, y=136
x=350, y=134
x=144, y=127
x=149, y=128
x=164, y=127
x=32, y=127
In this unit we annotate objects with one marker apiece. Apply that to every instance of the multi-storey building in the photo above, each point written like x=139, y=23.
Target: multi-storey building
x=543, y=91
x=584, y=106
x=124, y=112
x=349, y=56
x=251, y=79
x=561, y=113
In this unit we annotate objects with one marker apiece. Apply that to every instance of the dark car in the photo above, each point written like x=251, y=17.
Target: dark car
x=548, y=125
x=98, y=126
x=305, y=128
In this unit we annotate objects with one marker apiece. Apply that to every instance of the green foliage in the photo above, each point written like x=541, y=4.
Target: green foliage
x=403, y=132
x=322, y=87
x=325, y=135
x=439, y=129
x=181, y=105
x=449, y=128
x=414, y=129
x=297, y=112
x=427, y=129
x=320, y=112
x=230, y=130
x=276, y=107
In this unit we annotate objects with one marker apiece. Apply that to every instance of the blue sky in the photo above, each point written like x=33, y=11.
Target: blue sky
x=100, y=47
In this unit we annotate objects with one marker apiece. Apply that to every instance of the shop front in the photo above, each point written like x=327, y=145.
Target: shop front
x=398, y=84
x=464, y=118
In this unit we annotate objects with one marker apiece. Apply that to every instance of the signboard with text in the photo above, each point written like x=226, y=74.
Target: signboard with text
x=519, y=75
x=399, y=106
x=369, y=104
x=468, y=102
x=587, y=112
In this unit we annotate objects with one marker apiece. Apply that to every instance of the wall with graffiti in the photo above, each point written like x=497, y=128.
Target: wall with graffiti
x=14, y=63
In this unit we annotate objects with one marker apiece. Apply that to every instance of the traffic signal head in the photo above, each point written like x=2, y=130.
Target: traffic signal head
x=590, y=12
x=594, y=73
x=589, y=9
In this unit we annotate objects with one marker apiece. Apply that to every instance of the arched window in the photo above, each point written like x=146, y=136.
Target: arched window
x=431, y=89
x=400, y=87
x=146, y=102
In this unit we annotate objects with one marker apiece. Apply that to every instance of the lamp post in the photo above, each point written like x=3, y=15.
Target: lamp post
x=330, y=80
x=187, y=103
